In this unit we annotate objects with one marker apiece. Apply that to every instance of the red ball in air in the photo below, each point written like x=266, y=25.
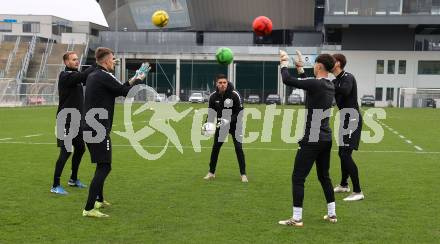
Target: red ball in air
x=262, y=26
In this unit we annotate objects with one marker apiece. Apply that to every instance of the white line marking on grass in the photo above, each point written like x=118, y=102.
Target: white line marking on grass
x=5, y=139
x=28, y=136
x=403, y=138
x=231, y=148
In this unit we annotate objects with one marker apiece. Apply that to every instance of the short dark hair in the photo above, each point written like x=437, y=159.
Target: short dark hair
x=101, y=53
x=67, y=55
x=220, y=76
x=339, y=57
x=327, y=60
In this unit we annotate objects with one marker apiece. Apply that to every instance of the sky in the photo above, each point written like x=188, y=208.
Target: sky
x=74, y=10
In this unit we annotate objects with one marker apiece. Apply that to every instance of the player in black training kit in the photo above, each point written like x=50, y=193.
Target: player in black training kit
x=346, y=98
x=101, y=91
x=226, y=97
x=317, y=140
x=70, y=90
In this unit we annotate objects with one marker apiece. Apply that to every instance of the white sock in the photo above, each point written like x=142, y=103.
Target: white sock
x=297, y=213
x=331, y=209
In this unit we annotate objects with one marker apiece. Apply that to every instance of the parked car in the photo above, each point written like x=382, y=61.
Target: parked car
x=367, y=100
x=273, y=99
x=196, y=97
x=206, y=96
x=253, y=99
x=430, y=103
x=300, y=93
x=294, y=99
x=161, y=97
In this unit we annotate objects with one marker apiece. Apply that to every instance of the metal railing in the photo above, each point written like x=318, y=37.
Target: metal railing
x=12, y=54
x=47, y=52
x=86, y=51
x=26, y=60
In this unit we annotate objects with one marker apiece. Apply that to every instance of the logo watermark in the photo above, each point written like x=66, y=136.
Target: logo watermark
x=311, y=124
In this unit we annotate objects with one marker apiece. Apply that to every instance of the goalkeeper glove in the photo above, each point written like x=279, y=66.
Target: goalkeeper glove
x=222, y=122
x=284, y=59
x=299, y=63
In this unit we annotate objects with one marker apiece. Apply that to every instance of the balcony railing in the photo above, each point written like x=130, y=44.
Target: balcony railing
x=381, y=7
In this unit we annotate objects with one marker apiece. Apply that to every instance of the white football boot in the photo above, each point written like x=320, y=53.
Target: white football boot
x=339, y=189
x=244, y=179
x=209, y=176
x=355, y=197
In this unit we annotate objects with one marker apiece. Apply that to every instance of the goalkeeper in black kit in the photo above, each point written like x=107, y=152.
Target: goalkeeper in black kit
x=315, y=146
x=224, y=107
x=347, y=100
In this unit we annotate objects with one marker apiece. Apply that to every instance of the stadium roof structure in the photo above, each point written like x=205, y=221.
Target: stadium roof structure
x=209, y=15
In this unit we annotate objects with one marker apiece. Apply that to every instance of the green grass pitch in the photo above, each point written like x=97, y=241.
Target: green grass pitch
x=168, y=201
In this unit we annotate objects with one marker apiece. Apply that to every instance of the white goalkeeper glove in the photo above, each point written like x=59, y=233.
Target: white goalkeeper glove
x=299, y=63
x=284, y=59
x=208, y=129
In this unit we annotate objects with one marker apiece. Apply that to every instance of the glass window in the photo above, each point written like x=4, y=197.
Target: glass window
x=353, y=7
x=390, y=94
x=402, y=67
x=423, y=6
x=379, y=91
x=256, y=77
x=5, y=27
x=435, y=7
x=31, y=27
x=381, y=7
x=337, y=7
x=197, y=75
x=417, y=6
x=391, y=67
x=380, y=67
x=395, y=7
x=55, y=29
x=94, y=32
x=429, y=68
x=58, y=29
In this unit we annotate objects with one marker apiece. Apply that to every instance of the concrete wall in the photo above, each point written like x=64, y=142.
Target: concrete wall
x=17, y=28
x=46, y=22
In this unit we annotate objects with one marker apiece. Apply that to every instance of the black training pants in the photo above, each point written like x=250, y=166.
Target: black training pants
x=96, y=191
x=78, y=151
x=306, y=155
x=349, y=168
x=216, y=150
